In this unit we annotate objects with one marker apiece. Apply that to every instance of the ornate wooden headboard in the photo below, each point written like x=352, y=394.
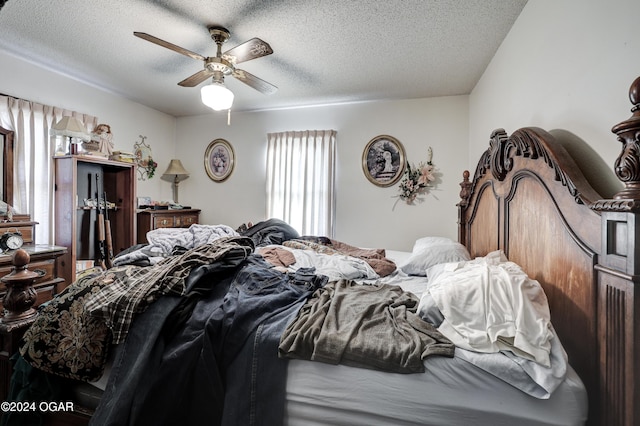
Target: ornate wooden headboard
x=529, y=198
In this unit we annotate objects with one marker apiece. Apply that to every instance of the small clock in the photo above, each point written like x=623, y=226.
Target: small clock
x=11, y=241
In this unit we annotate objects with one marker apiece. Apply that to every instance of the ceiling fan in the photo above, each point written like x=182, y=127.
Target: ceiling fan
x=221, y=65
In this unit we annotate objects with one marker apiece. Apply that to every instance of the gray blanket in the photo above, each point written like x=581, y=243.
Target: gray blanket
x=371, y=326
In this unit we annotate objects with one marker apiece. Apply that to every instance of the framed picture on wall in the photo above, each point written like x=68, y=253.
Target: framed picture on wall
x=383, y=160
x=219, y=160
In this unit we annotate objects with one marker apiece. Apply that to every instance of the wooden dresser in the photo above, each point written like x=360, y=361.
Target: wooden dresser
x=153, y=219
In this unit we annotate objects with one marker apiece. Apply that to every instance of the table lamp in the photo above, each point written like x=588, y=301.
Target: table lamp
x=70, y=127
x=175, y=173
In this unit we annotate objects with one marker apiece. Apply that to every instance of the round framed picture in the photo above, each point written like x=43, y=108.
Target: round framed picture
x=219, y=160
x=383, y=160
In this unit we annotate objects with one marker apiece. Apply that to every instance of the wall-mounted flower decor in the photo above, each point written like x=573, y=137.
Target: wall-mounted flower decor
x=144, y=159
x=417, y=180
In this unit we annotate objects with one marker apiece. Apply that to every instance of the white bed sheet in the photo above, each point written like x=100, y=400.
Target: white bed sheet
x=452, y=392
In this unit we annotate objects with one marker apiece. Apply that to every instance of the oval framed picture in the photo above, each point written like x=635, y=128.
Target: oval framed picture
x=383, y=160
x=219, y=160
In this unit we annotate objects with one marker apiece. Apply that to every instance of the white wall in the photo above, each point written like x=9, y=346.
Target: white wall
x=565, y=65
x=127, y=119
x=365, y=213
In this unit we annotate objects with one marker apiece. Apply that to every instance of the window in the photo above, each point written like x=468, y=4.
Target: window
x=33, y=152
x=300, y=180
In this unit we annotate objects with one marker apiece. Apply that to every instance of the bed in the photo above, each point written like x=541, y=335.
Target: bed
x=528, y=209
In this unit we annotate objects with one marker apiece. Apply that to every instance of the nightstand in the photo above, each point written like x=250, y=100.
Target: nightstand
x=151, y=219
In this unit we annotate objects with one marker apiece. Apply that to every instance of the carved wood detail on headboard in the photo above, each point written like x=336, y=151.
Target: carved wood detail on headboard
x=533, y=143
x=529, y=198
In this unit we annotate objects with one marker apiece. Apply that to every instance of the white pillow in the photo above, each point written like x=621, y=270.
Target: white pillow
x=426, y=242
x=430, y=251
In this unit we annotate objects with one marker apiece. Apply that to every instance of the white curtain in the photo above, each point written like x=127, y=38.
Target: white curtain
x=33, y=169
x=300, y=180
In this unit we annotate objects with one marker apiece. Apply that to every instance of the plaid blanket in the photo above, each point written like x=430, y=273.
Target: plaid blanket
x=130, y=294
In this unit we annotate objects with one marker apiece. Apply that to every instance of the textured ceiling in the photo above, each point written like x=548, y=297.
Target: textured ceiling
x=326, y=51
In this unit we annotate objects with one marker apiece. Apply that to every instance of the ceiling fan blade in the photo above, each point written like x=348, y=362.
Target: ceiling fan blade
x=255, y=82
x=196, y=78
x=168, y=45
x=251, y=49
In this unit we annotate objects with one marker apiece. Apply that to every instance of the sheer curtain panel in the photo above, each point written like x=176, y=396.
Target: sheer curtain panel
x=300, y=180
x=33, y=169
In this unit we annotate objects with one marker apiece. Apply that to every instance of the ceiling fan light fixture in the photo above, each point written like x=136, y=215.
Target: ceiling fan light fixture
x=216, y=96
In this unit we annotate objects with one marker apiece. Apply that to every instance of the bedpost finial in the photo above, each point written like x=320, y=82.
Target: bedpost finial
x=627, y=165
x=20, y=297
x=465, y=189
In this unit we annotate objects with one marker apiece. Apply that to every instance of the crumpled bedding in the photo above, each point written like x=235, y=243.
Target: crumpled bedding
x=120, y=301
x=489, y=304
x=269, y=232
x=374, y=257
x=277, y=256
x=64, y=339
x=370, y=326
x=163, y=241
x=334, y=266
x=72, y=334
x=222, y=367
x=523, y=374
x=383, y=330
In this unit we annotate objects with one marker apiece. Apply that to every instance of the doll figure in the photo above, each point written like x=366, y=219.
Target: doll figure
x=104, y=138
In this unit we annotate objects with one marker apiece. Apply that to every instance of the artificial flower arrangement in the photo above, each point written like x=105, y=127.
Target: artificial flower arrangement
x=417, y=180
x=151, y=167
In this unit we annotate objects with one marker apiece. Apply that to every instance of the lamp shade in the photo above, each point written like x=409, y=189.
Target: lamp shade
x=216, y=96
x=175, y=170
x=71, y=127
